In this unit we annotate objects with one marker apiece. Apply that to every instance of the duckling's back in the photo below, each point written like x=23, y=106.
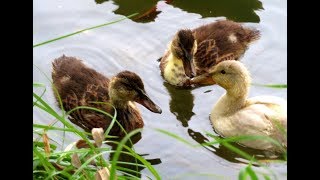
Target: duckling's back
x=74, y=80
x=229, y=36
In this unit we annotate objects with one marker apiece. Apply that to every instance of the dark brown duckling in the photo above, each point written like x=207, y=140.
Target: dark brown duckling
x=79, y=85
x=200, y=49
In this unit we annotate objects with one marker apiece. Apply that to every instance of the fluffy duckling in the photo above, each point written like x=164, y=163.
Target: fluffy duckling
x=79, y=85
x=194, y=52
x=235, y=115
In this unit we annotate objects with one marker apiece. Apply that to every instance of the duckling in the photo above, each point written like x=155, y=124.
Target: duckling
x=235, y=115
x=194, y=52
x=175, y=65
x=79, y=85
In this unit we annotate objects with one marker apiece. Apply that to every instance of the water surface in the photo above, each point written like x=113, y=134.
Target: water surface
x=136, y=44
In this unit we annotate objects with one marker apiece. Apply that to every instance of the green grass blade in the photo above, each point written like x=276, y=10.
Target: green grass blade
x=47, y=77
x=56, y=128
x=278, y=86
x=86, y=29
x=46, y=164
x=243, y=174
x=251, y=173
x=146, y=163
x=241, y=138
x=87, y=162
x=46, y=107
x=38, y=85
x=117, y=154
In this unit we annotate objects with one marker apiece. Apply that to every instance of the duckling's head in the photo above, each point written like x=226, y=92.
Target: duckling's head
x=229, y=74
x=128, y=86
x=183, y=47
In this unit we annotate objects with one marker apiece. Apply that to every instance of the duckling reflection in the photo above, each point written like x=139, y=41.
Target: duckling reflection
x=181, y=103
x=124, y=159
x=226, y=153
x=147, y=9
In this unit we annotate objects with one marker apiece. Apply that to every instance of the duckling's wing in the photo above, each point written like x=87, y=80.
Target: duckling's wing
x=206, y=56
x=271, y=100
x=87, y=118
x=274, y=110
x=254, y=120
x=229, y=56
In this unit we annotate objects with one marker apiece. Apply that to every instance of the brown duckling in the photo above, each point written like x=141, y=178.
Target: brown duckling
x=79, y=85
x=195, y=52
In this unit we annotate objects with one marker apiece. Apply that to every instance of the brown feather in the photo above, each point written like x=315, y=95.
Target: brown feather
x=79, y=85
x=230, y=39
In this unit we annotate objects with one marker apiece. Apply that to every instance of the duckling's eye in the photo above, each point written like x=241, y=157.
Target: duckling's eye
x=222, y=71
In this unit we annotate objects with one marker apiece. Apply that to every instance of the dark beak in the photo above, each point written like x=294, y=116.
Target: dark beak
x=146, y=102
x=187, y=64
x=204, y=80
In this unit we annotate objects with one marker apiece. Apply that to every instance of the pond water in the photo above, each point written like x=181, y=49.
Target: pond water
x=136, y=44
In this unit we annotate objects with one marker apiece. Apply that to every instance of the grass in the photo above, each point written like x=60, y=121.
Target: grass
x=47, y=157
x=52, y=161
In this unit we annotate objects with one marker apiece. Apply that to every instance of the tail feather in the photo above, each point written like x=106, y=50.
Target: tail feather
x=253, y=35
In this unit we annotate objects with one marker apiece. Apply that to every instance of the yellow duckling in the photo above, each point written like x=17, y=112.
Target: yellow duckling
x=79, y=85
x=235, y=115
x=194, y=52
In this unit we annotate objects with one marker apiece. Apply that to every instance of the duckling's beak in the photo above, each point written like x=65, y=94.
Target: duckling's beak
x=146, y=102
x=204, y=79
x=187, y=64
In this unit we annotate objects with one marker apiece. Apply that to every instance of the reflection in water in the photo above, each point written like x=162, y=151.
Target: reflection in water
x=181, y=103
x=237, y=10
x=224, y=152
x=126, y=158
x=147, y=9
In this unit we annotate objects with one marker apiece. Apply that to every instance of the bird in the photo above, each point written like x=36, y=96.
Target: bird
x=78, y=85
x=193, y=52
x=234, y=114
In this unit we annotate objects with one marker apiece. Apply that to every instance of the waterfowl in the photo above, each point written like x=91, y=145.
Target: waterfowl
x=194, y=52
x=235, y=115
x=79, y=85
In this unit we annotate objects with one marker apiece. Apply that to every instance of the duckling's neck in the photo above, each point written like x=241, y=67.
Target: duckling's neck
x=119, y=104
x=232, y=101
x=128, y=116
x=174, y=71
